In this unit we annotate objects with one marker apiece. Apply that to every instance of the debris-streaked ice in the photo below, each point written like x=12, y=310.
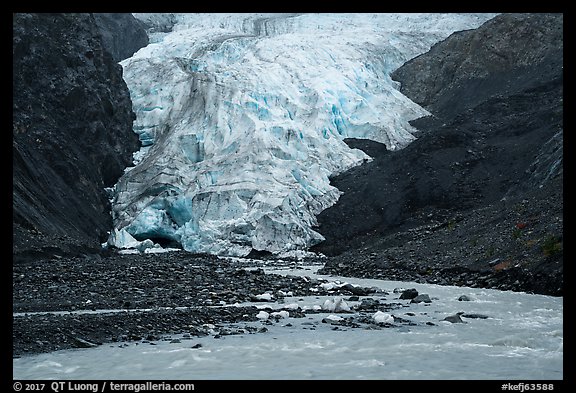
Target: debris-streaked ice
x=242, y=119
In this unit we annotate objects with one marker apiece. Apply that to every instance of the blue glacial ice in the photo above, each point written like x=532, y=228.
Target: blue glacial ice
x=242, y=119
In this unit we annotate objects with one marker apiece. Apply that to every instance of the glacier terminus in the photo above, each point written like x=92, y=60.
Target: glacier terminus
x=242, y=120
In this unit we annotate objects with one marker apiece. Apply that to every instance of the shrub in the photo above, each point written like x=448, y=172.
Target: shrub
x=551, y=245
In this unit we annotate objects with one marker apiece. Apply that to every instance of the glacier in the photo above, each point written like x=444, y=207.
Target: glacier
x=242, y=120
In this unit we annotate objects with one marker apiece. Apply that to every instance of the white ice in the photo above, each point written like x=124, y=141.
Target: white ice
x=383, y=317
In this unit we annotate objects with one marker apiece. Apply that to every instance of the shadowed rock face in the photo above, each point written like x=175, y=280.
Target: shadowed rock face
x=122, y=34
x=490, y=156
x=509, y=54
x=503, y=80
x=72, y=134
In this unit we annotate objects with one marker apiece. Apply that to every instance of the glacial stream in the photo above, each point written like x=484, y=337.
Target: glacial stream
x=519, y=337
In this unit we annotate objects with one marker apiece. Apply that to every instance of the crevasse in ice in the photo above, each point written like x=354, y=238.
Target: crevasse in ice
x=242, y=119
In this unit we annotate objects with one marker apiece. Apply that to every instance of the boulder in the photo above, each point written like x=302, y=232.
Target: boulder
x=421, y=298
x=454, y=318
x=409, y=294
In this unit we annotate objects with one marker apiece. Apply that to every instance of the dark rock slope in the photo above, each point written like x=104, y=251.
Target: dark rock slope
x=72, y=134
x=481, y=189
x=122, y=34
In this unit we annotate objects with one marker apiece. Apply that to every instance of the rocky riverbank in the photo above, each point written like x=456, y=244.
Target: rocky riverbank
x=514, y=244
x=152, y=295
x=115, y=299
x=83, y=302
